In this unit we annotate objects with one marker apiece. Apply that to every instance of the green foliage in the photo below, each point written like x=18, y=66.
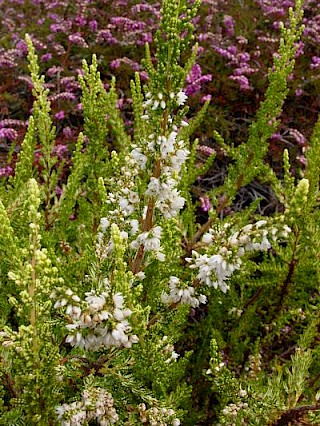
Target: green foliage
x=117, y=307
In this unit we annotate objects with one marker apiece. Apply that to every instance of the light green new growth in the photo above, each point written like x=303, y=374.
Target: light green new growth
x=249, y=156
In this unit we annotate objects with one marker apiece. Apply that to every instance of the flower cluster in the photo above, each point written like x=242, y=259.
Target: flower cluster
x=158, y=416
x=151, y=241
x=98, y=321
x=214, y=270
x=182, y=293
x=96, y=404
x=123, y=199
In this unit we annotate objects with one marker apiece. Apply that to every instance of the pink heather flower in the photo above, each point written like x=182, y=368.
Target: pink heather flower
x=46, y=57
x=66, y=96
x=205, y=204
x=229, y=25
x=67, y=132
x=6, y=171
x=144, y=38
x=298, y=92
x=78, y=40
x=80, y=20
x=195, y=80
x=315, y=62
x=298, y=136
x=60, y=150
x=302, y=160
x=276, y=137
x=58, y=191
x=144, y=76
x=93, y=25
x=22, y=46
x=206, y=98
x=6, y=63
x=11, y=122
x=54, y=70
x=106, y=36
x=206, y=150
x=120, y=103
x=60, y=115
x=9, y=134
x=242, y=81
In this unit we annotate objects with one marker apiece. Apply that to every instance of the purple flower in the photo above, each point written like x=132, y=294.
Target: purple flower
x=8, y=133
x=195, y=80
x=53, y=71
x=60, y=115
x=242, y=81
x=206, y=98
x=66, y=96
x=298, y=136
x=60, y=150
x=67, y=132
x=276, y=137
x=58, y=191
x=229, y=25
x=93, y=25
x=22, y=45
x=46, y=57
x=80, y=20
x=78, y=40
x=6, y=171
x=315, y=62
x=205, y=204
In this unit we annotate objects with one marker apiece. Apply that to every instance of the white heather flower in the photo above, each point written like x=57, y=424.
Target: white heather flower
x=214, y=270
x=156, y=231
x=260, y=223
x=207, y=238
x=126, y=208
x=96, y=303
x=134, y=223
x=152, y=244
x=181, y=98
x=155, y=105
x=179, y=158
x=140, y=275
x=104, y=224
x=168, y=145
x=182, y=294
x=153, y=187
x=118, y=300
x=247, y=228
x=160, y=256
x=139, y=157
x=73, y=311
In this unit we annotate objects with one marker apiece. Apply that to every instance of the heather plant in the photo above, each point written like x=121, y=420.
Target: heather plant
x=241, y=50
x=118, y=307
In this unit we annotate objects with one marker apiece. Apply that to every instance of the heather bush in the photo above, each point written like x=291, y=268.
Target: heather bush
x=117, y=305
x=237, y=41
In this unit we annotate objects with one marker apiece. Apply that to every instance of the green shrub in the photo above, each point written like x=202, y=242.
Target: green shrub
x=117, y=306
